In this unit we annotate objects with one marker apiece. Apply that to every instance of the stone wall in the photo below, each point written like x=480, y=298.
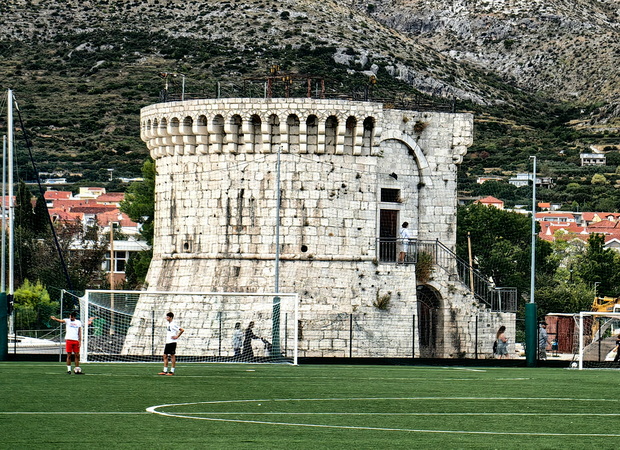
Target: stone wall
x=216, y=204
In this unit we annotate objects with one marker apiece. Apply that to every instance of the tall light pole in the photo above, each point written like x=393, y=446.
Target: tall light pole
x=531, y=330
x=275, y=321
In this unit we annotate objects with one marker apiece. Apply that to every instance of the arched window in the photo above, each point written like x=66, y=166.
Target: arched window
x=201, y=132
x=331, y=134
x=369, y=134
x=274, y=132
x=312, y=133
x=256, y=136
x=236, y=134
x=292, y=125
x=186, y=127
x=219, y=135
x=349, y=135
x=163, y=127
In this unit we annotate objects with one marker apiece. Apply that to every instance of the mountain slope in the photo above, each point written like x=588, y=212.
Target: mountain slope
x=82, y=70
x=566, y=48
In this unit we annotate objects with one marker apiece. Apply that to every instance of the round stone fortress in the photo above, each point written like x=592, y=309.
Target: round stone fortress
x=349, y=173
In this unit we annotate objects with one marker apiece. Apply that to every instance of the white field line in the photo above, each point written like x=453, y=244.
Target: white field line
x=85, y=413
x=183, y=415
x=246, y=413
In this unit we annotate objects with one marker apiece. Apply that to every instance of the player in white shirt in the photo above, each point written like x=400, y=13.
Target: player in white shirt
x=173, y=332
x=73, y=337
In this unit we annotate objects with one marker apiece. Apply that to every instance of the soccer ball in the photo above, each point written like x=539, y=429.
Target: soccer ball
x=574, y=365
x=77, y=370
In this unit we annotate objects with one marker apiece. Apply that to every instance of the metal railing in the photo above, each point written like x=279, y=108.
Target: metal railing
x=409, y=251
x=255, y=90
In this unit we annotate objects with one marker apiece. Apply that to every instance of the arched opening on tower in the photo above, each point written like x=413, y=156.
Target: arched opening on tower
x=312, y=133
x=201, y=133
x=349, y=135
x=429, y=321
x=236, y=134
x=274, y=132
x=256, y=134
x=186, y=126
x=217, y=142
x=292, y=125
x=331, y=134
x=369, y=135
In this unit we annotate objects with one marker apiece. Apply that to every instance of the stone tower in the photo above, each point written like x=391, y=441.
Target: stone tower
x=349, y=174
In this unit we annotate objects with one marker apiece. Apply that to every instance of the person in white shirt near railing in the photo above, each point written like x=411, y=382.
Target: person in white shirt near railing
x=403, y=242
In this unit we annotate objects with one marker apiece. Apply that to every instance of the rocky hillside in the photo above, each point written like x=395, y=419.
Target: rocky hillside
x=569, y=49
x=264, y=28
x=82, y=69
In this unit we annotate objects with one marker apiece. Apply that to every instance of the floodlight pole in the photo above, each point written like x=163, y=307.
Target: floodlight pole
x=275, y=321
x=4, y=311
x=531, y=330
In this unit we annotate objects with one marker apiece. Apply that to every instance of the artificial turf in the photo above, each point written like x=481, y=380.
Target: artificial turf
x=307, y=406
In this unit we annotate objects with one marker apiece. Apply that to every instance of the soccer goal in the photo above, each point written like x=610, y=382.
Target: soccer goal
x=598, y=333
x=219, y=326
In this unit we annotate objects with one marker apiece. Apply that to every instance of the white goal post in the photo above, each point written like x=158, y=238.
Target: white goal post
x=219, y=326
x=598, y=333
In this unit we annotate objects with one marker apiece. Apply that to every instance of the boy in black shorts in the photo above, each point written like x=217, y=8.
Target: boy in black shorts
x=173, y=333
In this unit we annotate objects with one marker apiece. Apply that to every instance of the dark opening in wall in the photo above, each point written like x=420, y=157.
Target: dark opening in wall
x=304, y=248
x=390, y=195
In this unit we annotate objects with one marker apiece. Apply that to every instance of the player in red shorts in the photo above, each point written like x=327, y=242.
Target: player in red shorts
x=73, y=337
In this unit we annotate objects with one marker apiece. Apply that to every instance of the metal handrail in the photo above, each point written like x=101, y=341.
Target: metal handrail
x=501, y=299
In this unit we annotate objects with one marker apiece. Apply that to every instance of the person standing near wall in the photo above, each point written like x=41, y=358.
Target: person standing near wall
x=248, y=352
x=501, y=348
x=403, y=242
x=543, y=340
x=237, y=339
x=173, y=332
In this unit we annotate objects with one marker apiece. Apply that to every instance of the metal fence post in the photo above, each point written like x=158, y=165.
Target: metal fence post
x=476, y=341
x=350, y=335
x=413, y=336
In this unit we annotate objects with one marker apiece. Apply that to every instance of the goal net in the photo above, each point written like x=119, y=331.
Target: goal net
x=219, y=327
x=597, y=340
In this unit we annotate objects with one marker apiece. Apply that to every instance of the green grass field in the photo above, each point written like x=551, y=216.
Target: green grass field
x=279, y=406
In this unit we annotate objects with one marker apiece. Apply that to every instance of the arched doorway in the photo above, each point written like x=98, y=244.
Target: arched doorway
x=429, y=321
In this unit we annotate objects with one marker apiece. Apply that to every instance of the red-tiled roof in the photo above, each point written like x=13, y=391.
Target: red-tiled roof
x=52, y=195
x=111, y=197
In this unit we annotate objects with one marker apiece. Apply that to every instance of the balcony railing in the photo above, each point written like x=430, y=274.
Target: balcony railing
x=408, y=251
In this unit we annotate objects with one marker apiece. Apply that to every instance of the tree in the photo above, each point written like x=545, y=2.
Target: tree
x=139, y=205
x=598, y=178
x=600, y=265
x=501, y=242
x=33, y=306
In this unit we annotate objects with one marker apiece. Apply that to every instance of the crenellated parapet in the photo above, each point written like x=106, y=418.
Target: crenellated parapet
x=251, y=126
